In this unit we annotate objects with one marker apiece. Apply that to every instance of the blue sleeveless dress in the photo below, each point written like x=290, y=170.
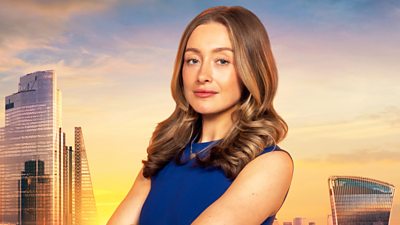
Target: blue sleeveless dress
x=180, y=193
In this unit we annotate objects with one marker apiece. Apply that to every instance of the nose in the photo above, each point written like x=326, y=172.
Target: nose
x=205, y=73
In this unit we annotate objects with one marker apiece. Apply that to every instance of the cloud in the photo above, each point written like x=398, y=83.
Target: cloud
x=396, y=12
x=7, y=63
x=359, y=156
x=365, y=156
x=36, y=24
x=389, y=115
x=104, y=68
x=386, y=120
x=327, y=137
x=39, y=21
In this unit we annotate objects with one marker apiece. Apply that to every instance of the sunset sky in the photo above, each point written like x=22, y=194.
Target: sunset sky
x=339, y=87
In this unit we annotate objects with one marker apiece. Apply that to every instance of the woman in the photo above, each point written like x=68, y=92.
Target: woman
x=215, y=159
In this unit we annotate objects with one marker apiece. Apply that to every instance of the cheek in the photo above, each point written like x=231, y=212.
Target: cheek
x=186, y=84
x=235, y=84
x=188, y=77
x=185, y=76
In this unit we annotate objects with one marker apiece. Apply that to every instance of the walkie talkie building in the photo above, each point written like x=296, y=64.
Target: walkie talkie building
x=360, y=201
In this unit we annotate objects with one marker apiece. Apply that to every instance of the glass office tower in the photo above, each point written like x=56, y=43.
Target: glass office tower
x=84, y=206
x=360, y=201
x=30, y=153
x=1, y=172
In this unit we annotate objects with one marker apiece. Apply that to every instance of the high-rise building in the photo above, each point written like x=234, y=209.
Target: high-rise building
x=1, y=180
x=85, y=207
x=42, y=180
x=361, y=201
x=34, y=190
x=32, y=120
x=300, y=221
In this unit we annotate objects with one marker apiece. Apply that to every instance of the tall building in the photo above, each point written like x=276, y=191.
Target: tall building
x=361, y=201
x=300, y=221
x=40, y=182
x=85, y=207
x=32, y=120
x=1, y=173
x=34, y=190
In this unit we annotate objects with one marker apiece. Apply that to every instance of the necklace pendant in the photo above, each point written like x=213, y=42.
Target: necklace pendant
x=192, y=155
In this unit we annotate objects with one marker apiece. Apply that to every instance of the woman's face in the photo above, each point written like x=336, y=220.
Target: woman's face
x=211, y=84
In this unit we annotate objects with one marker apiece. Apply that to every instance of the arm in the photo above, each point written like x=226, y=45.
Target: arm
x=128, y=211
x=257, y=192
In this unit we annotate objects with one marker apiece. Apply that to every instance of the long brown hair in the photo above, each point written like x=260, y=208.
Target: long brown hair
x=257, y=125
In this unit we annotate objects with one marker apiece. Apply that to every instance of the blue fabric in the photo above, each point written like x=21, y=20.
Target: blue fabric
x=180, y=193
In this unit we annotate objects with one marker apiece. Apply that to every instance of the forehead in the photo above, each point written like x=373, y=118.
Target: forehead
x=209, y=36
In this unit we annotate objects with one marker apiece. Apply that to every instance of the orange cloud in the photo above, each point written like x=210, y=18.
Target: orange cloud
x=32, y=24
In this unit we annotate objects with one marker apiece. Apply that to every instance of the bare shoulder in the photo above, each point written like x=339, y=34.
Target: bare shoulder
x=270, y=170
x=257, y=192
x=276, y=160
x=268, y=178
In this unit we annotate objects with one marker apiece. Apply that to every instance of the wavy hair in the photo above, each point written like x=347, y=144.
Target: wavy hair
x=256, y=124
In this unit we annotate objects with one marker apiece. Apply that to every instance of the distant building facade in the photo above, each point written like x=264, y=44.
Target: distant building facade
x=35, y=196
x=360, y=201
x=1, y=168
x=37, y=169
x=85, y=207
x=300, y=221
x=32, y=119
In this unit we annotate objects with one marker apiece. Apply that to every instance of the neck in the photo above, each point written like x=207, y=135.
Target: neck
x=215, y=126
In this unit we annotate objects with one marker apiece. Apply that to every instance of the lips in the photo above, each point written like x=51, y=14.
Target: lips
x=202, y=93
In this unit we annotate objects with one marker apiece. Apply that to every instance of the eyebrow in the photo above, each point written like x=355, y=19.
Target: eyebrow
x=214, y=50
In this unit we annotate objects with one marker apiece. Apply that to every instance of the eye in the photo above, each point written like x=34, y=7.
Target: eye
x=222, y=61
x=191, y=61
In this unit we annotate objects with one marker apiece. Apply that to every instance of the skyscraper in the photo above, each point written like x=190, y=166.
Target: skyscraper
x=300, y=221
x=32, y=120
x=85, y=207
x=361, y=201
x=42, y=181
x=1, y=173
x=34, y=190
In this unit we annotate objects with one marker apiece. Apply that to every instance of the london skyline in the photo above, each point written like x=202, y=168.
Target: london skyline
x=339, y=86
x=43, y=181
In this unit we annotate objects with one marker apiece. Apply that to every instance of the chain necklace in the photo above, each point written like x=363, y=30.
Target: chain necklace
x=192, y=154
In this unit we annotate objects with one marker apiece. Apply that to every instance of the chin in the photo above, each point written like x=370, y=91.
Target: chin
x=203, y=110
x=209, y=110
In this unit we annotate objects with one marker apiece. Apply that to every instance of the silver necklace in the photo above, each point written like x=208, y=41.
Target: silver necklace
x=192, y=154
